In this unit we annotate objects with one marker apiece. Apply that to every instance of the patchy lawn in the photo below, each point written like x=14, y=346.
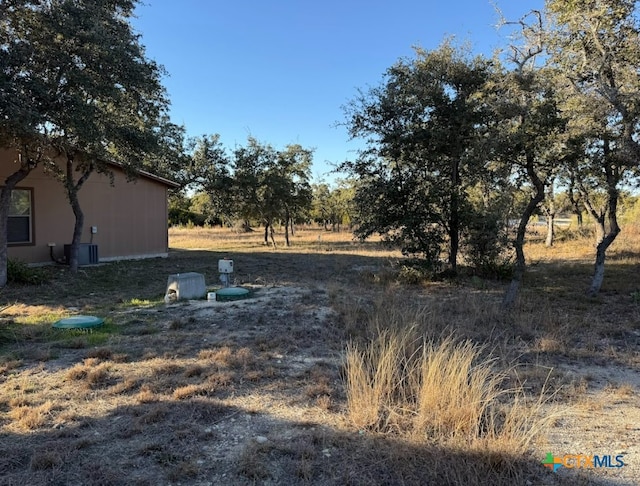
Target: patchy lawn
x=259, y=391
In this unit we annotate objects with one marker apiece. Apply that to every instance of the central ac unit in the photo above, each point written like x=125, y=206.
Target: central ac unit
x=87, y=253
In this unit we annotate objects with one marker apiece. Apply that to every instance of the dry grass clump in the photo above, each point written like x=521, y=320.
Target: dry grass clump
x=8, y=365
x=100, y=353
x=146, y=395
x=76, y=372
x=622, y=390
x=98, y=376
x=27, y=417
x=188, y=391
x=550, y=343
x=93, y=373
x=125, y=386
x=220, y=379
x=455, y=389
x=225, y=357
x=441, y=391
x=319, y=382
x=220, y=356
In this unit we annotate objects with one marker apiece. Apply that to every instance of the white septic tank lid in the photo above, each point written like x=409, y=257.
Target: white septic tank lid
x=225, y=266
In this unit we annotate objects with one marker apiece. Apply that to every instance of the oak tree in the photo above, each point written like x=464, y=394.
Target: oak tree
x=419, y=126
x=95, y=97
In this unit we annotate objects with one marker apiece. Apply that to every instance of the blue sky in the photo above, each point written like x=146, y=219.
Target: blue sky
x=281, y=70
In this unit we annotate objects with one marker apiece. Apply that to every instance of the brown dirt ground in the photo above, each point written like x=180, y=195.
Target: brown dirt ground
x=251, y=392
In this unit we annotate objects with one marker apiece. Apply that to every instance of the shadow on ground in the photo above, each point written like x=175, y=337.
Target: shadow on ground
x=134, y=445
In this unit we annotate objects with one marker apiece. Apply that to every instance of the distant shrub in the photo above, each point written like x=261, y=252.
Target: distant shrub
x=501, y=269
x=20, y=273
x=576, y=233
x=412, y=275
x=182, y=217
x=486, y=244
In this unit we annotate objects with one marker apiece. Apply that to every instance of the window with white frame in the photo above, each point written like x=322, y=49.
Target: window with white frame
x=20, y=223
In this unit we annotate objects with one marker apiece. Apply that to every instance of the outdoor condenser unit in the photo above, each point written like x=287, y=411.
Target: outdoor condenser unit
x=87, y=253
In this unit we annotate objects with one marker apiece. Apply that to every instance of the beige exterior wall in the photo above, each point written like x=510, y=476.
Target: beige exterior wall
x=131, y=217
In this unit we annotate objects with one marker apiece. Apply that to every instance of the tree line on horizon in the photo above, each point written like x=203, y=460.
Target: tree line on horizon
x=457, y=146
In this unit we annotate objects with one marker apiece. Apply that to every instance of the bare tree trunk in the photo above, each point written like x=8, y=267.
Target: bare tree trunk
x=604, y=238
x=286, y=234
x=551, y=216
x=454, y=218
x=77, y=235
x=550, y=212
x=272, y=233
x=266, y=232
x=287, y=219
x=73, y=188
x=575, y=203
x=598, y=272
x=520, y=265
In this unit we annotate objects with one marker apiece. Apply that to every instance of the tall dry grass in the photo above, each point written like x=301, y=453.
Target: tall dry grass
x=307, y=239
x=575, y=244
x=439, y=390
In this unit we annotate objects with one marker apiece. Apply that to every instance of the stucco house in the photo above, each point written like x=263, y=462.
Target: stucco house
x=122, y=221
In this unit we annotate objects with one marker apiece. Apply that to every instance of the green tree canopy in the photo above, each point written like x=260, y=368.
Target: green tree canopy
x=83, y=81
x=595, y=47
x=420, y=128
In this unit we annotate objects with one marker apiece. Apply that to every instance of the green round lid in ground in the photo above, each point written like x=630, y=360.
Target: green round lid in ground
x=232, y=293
x=79, y=322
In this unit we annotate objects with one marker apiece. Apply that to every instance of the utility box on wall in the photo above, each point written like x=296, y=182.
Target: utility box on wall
x=87, y=253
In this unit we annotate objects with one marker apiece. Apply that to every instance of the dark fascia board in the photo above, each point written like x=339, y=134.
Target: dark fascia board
x=149, y=175
x=144, y=173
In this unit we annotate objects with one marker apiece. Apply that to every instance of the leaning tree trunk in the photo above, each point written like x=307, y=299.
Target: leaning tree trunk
x=575, y=203
x=550, y=213
x=287, y=219
x=578, y=213
x=551, y=216
x=77, y=234
x=272, y=233
x=604, y=241
x=604, y=238
x=286, y=234
x=454, y=218
x=72, y=193
x=246, y=226
x=520, y=265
